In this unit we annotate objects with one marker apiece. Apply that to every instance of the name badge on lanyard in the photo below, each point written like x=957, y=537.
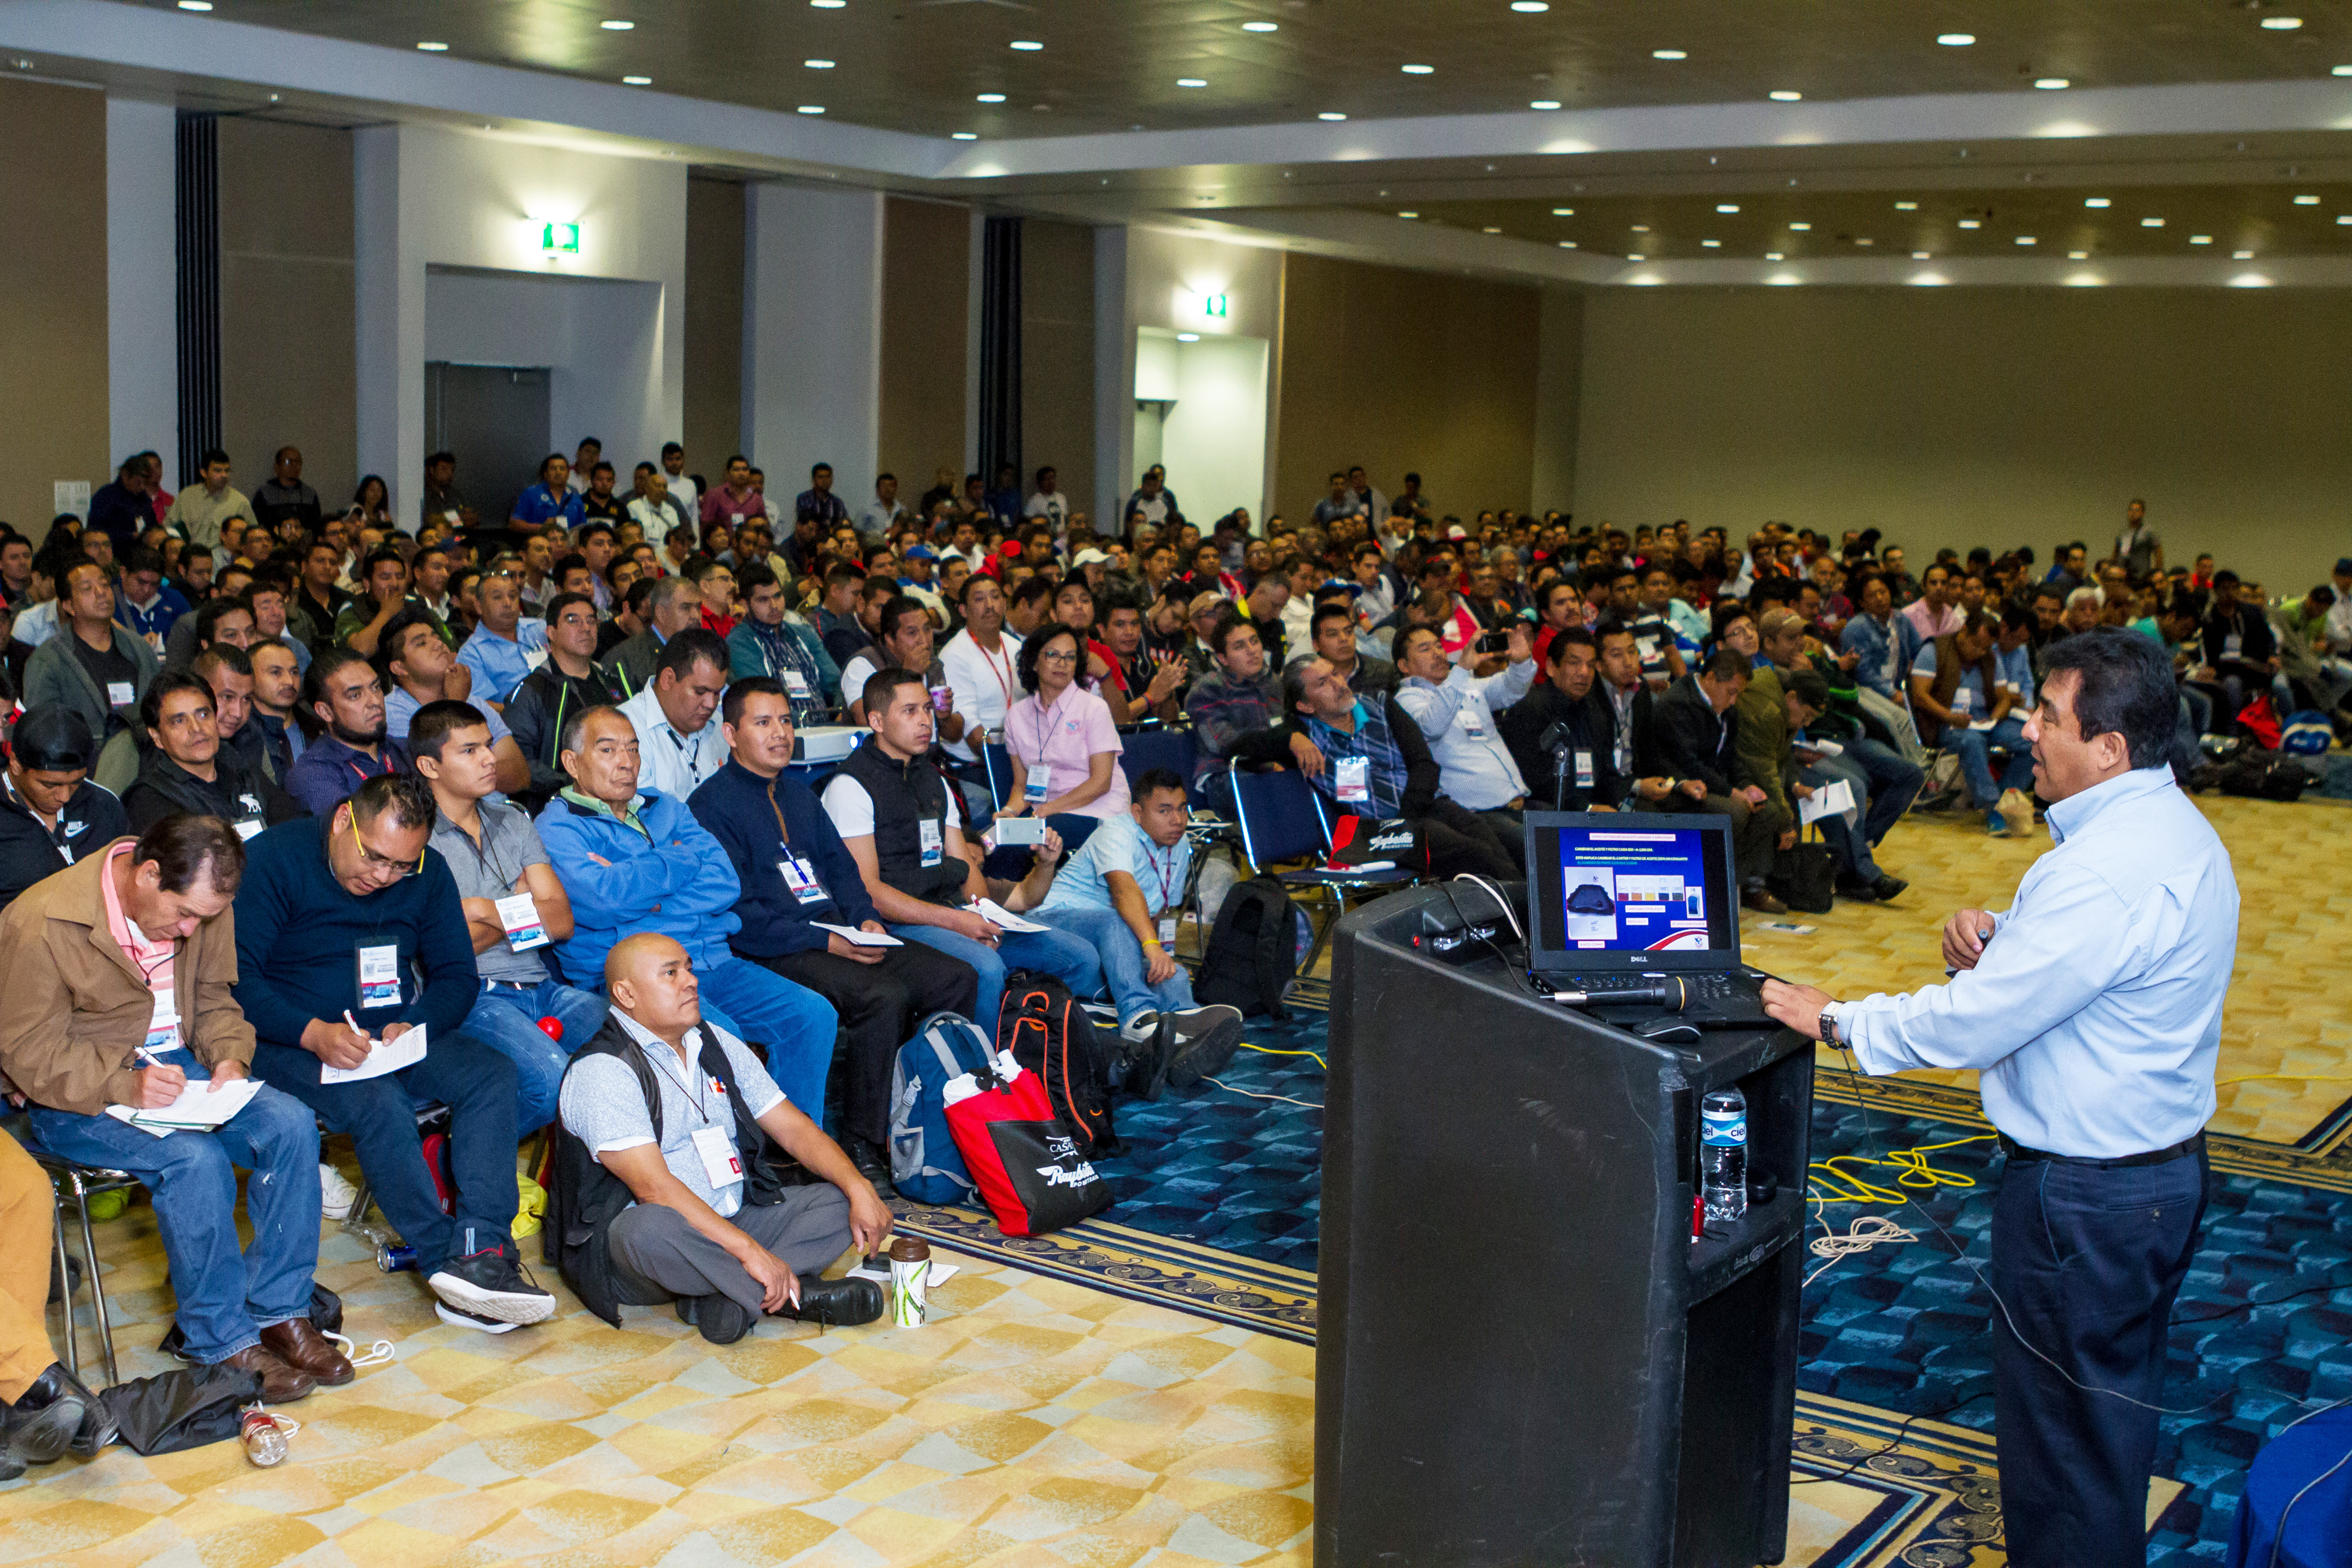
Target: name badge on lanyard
x=801, y=878
x=934, y=841
x=796, y=685
x=119, y=694
x=720, y=1162
x=519, y=912
x=379, y=976
x=1353, y=778
x=1168, y=930
x=1584, y=770
x=1471, y=726
x=1040, y=777
x=163, y=1025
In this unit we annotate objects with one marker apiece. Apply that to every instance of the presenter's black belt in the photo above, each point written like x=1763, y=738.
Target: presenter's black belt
x=2017, y=1150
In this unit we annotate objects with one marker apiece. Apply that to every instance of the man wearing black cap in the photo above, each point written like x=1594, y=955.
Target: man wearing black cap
x=50, y=813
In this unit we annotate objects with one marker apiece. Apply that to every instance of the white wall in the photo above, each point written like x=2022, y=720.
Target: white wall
x=142, y=291
x=600, y=338
x=1214, y=433
x=1168, y=275
x=1950, y=416
x=812, y=336
x=428, y=197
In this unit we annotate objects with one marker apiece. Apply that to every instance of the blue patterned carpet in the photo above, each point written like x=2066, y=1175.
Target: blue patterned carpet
x=2264, y=1322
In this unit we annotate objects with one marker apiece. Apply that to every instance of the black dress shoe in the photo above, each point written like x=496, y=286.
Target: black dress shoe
x=872, y=1162
x=1850, y=885
x=97, y=1425
x=841, y=1302
x=43, y=1421
x=1887, y=887
x=720, y=1318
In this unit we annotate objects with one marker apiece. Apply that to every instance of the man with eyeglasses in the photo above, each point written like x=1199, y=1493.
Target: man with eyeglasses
x=350, y=934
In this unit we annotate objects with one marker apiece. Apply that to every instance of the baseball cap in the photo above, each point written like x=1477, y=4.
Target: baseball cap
x=1089, y=558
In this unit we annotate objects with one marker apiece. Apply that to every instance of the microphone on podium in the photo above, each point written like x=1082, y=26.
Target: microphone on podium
x=1671, y=994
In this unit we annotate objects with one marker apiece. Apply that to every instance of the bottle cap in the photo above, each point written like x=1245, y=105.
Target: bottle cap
x=909, y=1250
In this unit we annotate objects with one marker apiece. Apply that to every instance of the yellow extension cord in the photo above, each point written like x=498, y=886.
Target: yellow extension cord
x=1917, y=1173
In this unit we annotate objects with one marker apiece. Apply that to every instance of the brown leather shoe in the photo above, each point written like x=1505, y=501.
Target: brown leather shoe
x=280, y=1384
x=1764, y=899
x=302, y=1347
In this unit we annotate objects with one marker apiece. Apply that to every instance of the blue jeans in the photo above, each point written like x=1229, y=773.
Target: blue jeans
x=1884, y=783
x=225, y=1297
x=1975, y=748
x=507, y=1020
x=794, y=1025
x=1069, y=959
x=1122, y=954
x=477, y=1084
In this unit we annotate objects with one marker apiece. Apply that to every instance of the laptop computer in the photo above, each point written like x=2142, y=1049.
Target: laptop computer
x=1625, y=901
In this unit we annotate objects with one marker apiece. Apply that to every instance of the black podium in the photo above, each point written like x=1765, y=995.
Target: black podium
x=1522, y=1358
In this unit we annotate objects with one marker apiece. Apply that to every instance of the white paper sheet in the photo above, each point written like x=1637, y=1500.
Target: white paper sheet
x=1833, y=799
x=201, y=1104
x=404, y=1052
x=856, y=938
x=1002, y=917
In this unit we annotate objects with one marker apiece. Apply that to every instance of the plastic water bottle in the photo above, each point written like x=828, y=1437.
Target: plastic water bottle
x=265, y=1440
x=1723, y=1153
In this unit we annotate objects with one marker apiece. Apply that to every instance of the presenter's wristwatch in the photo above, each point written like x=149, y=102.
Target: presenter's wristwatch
x=1828, y=1029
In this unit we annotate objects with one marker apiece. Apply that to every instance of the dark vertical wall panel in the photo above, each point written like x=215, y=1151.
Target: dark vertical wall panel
x=925, y=274
x=714, y=327
x=53, y=373
x=1058, y=350
x=999, y=345
x=197, y=262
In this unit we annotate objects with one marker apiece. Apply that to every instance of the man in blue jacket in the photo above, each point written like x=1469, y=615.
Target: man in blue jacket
x=795, y=872
x=636, y=860
x=337, y=920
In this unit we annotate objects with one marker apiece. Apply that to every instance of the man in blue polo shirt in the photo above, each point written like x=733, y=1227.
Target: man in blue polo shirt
x=506, y=645
x=552, y=500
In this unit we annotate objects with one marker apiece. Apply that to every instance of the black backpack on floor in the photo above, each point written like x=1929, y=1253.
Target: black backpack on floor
x=2263, y=775
x=1042, y=1025
x=1252, y=954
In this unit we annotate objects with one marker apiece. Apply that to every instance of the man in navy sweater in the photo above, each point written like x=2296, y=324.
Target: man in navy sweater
x=336, y=920
x=796, y=872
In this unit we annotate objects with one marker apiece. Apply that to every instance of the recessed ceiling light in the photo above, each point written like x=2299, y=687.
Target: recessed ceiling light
x=1669, y=55
x=1772, y=255
x=1027, y=46
x=963, y=135
x=818, y=65
x=1261, y=26
x=1408, y=214
x=1331, y=115
x=615, y=25
x=1800, y=228
x=1918, y=256
x=1641, y=228
x=992, y=97
x=2201, y=239
x=2306, y=201
x=1531, y=7
x=2078, y=256
x=1188, y=337
x=2341, y=70
x=2051, y=83
x=1971, y=223
x=1785, y=96
x=1726, y=207
x=1192, y=82
x=828, y=4
x=1490, y=229
x=1956, y=40
x=2097, y=201
x=1568, y=244
x=1866, y=241
x=2241, y=255
x=811, y=109
x=1906, y=207
x=2151, y=223
x=1545, y=103
x=1636, y=258
x=196, y=5
x=1712, y=243
x=1563, y=211
x=2344, y=218
x=2281, y=24
x=636, y=81
x=433, y=48
x=2026, y=240
x=1417, y=70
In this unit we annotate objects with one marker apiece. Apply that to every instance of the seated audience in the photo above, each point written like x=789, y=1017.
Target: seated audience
x=1969, y=701
x=676, y=715
x=771, y=641
x=416, y=665
x=1696, y=739
x=795, y=872
x=1455, y=711
x=636, y=860
x=506, y=644
x=901, y=824
x=271, y=738
x=349, y=934
x=118, y=974
x=99, y=668
x=186, y=769
x=667, y=1168
x=1331, y=637
x=982, y=666
x=51, y=816
x=48, y=1408
x=514, y=907
x=1120, y=893
x=1558, y=734
x=1062, y=741
x=345, y=702
x=1235, y=706
x=672, y=605
x=569, y=682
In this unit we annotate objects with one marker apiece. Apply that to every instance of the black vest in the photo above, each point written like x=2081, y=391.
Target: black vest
x=586, y=1198
x=904, y=797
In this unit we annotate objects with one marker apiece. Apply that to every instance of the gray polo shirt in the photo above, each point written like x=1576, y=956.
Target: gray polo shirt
x=603, y=1106
x=508, y=843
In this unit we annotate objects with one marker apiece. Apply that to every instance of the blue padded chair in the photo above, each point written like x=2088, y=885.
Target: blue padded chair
x=1144, y=750
x=1282, y=817
x=999, y=762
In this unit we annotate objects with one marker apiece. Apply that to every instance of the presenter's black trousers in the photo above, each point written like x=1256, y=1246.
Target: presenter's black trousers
x=879, y=1005
x=2087, y=1261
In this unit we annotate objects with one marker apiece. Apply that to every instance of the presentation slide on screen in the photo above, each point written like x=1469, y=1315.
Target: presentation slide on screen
x=1627, y=891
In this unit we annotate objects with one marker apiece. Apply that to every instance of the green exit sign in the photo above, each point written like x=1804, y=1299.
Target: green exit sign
x=560, y=239
x=1213, y=305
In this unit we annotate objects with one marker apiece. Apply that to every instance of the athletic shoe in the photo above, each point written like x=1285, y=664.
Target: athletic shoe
x=458, y=1318
x=1996, y=825
x=489, y=1284
x=2017, y=811
x=1138, y=1030
x=1201, y=1040
x=720, y=1318
x=336, y=1195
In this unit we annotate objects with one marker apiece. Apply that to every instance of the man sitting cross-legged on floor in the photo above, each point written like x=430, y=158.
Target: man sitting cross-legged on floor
x=665, y=1174
x=796, y=872
x=118, y=972
x=337, y=919
x=1119, y=893
x=636, y=860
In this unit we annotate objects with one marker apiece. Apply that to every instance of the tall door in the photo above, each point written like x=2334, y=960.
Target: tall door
x=494, y=418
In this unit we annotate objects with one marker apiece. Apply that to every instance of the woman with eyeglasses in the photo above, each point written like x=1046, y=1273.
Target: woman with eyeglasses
x=1063, y=741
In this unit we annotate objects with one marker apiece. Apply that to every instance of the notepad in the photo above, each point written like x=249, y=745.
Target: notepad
x=391, y=1055
x=1827, y=800
x=202, y=1105
x=1003, y=919
x=856, y=938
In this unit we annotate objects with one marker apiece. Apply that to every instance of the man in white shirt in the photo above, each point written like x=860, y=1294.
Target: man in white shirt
x=875, y=519
x=1049, y=502
x=982, y=665
x=1456, y=710
x=681, y=483
x=681, y=742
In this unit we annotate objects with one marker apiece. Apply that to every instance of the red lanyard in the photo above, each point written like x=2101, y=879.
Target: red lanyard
x=1004, y=677
x=1168, y=877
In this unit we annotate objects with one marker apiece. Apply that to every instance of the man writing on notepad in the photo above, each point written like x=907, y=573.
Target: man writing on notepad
x=118, y=972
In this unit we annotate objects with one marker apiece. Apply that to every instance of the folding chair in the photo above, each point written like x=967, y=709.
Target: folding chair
x=1283, y=818
x=83, y=1183
x=1144, y=750
x=999, y=761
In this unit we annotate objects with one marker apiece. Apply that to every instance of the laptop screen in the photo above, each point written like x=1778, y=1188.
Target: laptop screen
x=1627, y=890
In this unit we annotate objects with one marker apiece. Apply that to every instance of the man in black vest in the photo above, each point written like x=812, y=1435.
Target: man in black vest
x=664, y=1171
x=1559, y=735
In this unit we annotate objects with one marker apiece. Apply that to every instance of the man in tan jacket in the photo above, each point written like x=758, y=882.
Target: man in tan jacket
x=117, y=973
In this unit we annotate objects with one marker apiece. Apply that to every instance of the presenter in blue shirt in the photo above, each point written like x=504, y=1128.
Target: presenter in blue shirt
x=2092, y=1009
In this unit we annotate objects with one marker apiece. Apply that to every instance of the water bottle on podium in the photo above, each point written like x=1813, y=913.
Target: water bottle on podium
x=1723, y=1153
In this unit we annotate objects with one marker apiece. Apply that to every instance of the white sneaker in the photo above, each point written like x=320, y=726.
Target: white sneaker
x=336, y=1195
x=2017, y=811
x=1140, y=1028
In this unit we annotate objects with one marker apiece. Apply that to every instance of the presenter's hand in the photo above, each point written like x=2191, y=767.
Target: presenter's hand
x=1962, y=945
x=1798, y=1007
